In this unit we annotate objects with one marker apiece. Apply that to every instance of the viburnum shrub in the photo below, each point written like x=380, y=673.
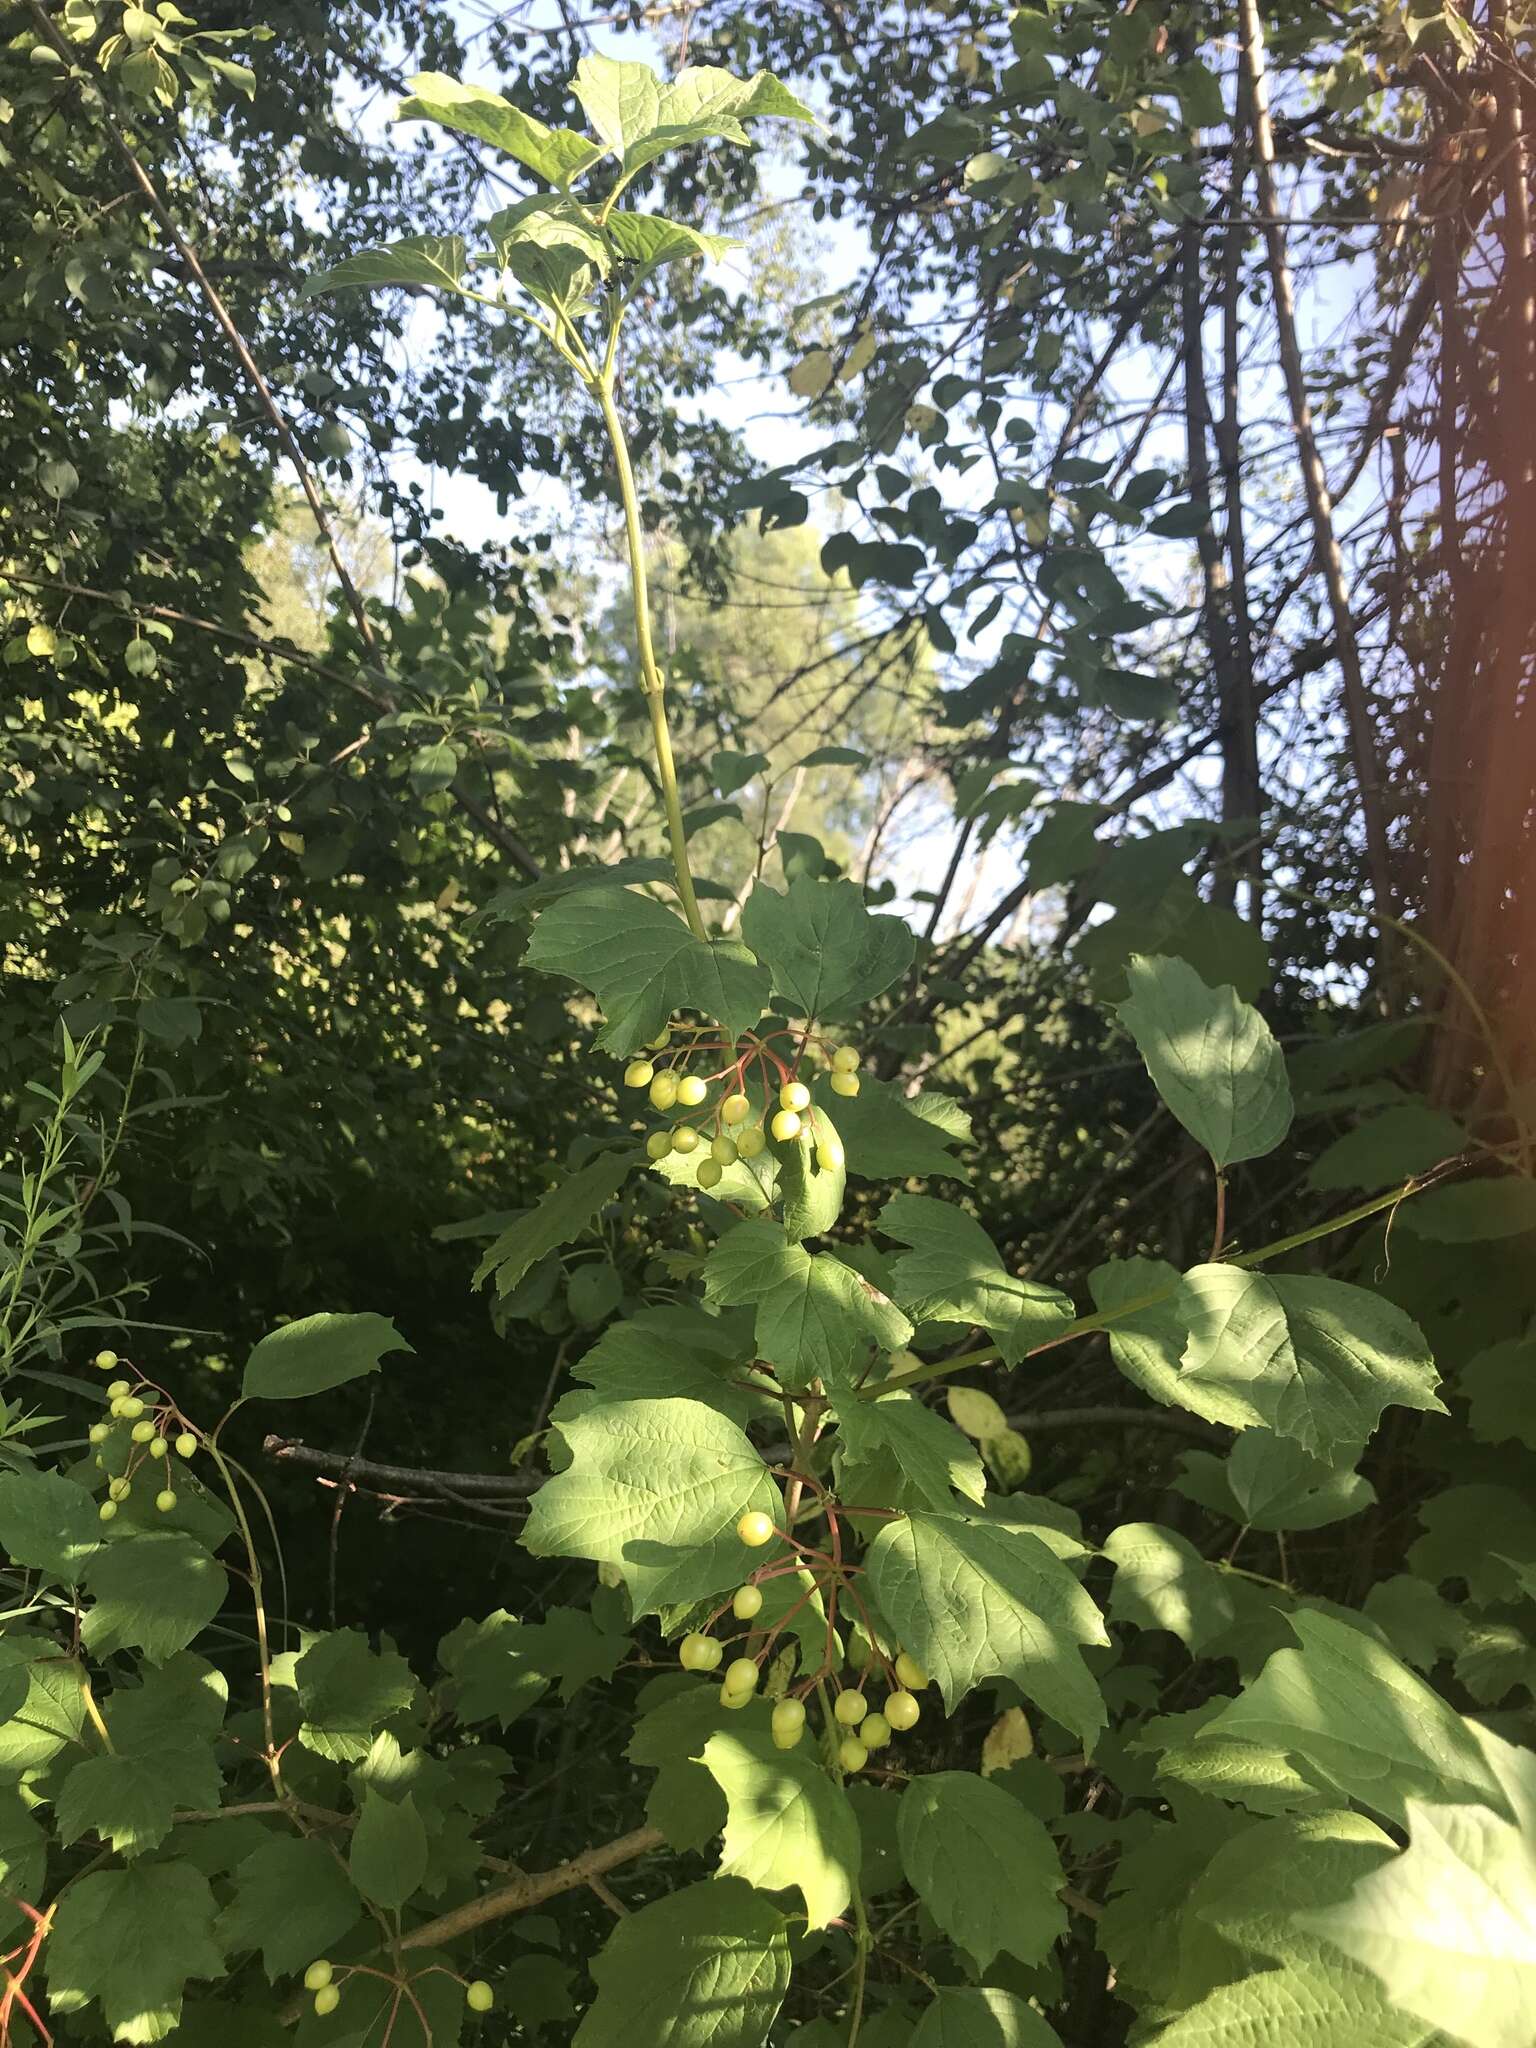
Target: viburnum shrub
x=926, y=1761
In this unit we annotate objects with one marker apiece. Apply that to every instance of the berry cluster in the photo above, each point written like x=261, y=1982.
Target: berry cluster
x=325, y=1981
x=857, y=1729
x=728, y=1130
x=155, y=1429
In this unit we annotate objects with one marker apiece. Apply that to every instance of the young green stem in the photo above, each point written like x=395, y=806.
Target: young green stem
x=650, y=674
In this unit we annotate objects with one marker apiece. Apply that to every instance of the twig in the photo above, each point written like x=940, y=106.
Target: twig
x=416, y=1478
x=532, y=1890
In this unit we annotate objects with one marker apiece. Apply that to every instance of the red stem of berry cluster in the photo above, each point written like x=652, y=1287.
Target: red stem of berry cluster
x=837, y=1578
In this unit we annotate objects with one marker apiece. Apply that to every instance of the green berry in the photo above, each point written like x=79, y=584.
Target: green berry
x=852, y=1754
x=685, y=1139
x=165, y=1501
x=829, y=1152
x=850, y=1708
x=660, y=1042
x=105, y=1360
x=142, y=1432
x=699, y=1653
x=658, y=1144
x=845, y=1060
x=639, y=1074
x=691, y=1091
x=733, y=1700
x=902, y=1711
x=910, y=1672
x=131, y=1409
x=318, y=1975
x=107, y=1510
x=874, y=1731
x=845, y=1084
x=748, y=1602
x=786, y=1125
x=750, y=1143
x=327, y=1998
x=735, y=1109
x=119, y=1489
x=724, y=1149
x=186, y=1444
x=99, y=1432
x=664, y=1091
x=741, y=1675
x=755, y=1529
x=794, y=1095
x=479, y=1996
x=710, y=1173
x=788, y=1723
x=119, y=1390
x=159, y=1448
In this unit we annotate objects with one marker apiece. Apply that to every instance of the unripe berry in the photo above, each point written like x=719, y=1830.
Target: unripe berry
x=786, y=1125
x=845, y=1084
x=735, y=1109
x=105, y=1360
x=639, y=1074
x=99, y=1432
x=794, y=1095
x=664, y=1091
x=741, y=1675
x=479, y=1996
x=116, y=1409
x=750, y=1143
x=142, y=1432
x=902, y=1711
x=710, y=1173
x=685, y=1139
x=734, y=1700
x=318, y=1975
x=829, y=1152
x=699, y=1653
x=158, y=1447
x=874, y=1731
x=186, y=1444
x=165, y=1501
x=724, y=1149
x=755, y=1528
x=788, y=1723
x=132, y=1408
x=119, y=1489
x=852, y=1754
x=691, y=1091
x=658, y=1144
x=747, y=1603
x=327, y=1998
x=845, y=1060
x=118, y=1390
x=910, y=1672
x=850, y=1708
x=660, y=1042
x=107, y=1510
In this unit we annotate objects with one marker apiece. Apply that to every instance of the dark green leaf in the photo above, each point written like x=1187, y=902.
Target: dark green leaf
x=316, y=1353
x=388, y=1858
x=292, y=1901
